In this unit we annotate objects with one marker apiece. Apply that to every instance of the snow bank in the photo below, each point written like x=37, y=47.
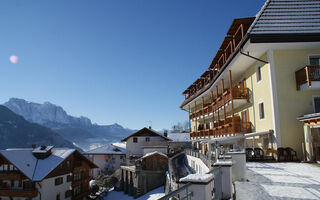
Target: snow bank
x=197, y=178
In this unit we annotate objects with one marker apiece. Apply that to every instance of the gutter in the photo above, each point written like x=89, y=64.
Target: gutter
x=255, y=58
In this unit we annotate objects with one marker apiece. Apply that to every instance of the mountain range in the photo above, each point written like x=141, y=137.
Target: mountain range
x=79, y=130
x=16, y=132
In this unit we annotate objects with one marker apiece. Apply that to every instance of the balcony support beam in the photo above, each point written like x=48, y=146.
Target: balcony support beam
x=231, y=94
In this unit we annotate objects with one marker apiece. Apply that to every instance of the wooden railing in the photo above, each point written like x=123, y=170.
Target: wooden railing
x=237, y=93
x=226, y=53
x=6, y=175
x=223, y=129
x=11, y=192
x=306, y=75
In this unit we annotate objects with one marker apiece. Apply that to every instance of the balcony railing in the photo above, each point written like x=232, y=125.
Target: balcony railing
x=10, y=175
x=224, y=128
x=222, y=100
x=306, y=75
x=11, y=192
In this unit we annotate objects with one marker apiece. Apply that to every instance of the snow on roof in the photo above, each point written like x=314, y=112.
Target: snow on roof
x=287, y=16
x=45, y=166
x=179, y=137
x=153, y=153
x=120, y=144
x=145, y=132
x=35, y=169
x=107, y=149
x=197, y=178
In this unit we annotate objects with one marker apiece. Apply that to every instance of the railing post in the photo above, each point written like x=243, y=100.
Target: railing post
x=308, y=76
x=231, y=94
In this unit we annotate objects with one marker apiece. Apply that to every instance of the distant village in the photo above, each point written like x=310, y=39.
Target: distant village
x=252, y=133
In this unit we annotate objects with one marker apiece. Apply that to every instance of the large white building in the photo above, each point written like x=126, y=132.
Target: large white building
x=44, y=173
x=108, y=158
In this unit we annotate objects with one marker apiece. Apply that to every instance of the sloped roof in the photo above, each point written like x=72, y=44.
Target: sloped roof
x=107, y=149
x=145, y=132
x=36, y=169
x=287, y=16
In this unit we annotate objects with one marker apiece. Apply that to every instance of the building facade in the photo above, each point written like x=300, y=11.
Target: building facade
x=145, y=141
x=108, y=158
x=264, y=75
x=44, y=173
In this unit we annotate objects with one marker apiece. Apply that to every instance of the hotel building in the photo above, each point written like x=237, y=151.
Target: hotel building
x=265, y=75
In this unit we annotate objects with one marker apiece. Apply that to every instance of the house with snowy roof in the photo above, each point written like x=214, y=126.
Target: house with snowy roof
x=264, y=75
x=44, y=173
x=108, y=158
x=144, y=141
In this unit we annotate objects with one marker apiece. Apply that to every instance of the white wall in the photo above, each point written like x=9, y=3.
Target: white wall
x=200, y=191
x=112, y=161
x=49, y=190
x=136, y=148
x=197, y=165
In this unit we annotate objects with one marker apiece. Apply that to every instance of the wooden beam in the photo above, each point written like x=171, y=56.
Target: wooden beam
x=231, y=93
x=223, y=99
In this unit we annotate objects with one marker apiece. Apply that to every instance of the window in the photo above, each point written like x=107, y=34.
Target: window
x=58, y=197
x=58, y=181
x=316, y=104
x=69, y=178
x=259, y=75
x=77, y=177
x=261, y=110
x=68, y=193
x=314, y=60
x=77, y=190
x=147, y=139
x=121, y=157
x=135, y=140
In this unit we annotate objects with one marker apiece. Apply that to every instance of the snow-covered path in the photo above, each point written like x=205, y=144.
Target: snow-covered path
x=152, y=195
x=280, y=181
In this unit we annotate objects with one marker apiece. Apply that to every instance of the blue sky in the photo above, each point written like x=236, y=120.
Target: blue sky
x=116, y=61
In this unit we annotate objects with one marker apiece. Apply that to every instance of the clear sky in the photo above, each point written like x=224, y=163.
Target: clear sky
x=117, y=61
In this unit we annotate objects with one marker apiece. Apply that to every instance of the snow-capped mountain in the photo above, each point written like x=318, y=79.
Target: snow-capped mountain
x=16, y=132
x=79, y=130
x=45, y=114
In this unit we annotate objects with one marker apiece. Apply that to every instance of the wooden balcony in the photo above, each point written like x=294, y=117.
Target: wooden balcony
x=10, y=175
x=223, y=128
x=308, y=78
x=240, y=96
x=10, y=192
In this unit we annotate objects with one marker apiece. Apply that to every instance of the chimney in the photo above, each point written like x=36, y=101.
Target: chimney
x=149, y=127
x=165, y=133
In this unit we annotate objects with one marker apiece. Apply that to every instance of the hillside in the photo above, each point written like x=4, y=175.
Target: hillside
x=16, y=132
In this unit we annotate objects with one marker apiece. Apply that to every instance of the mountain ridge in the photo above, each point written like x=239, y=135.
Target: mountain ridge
x=19, y=133
x=79, y=130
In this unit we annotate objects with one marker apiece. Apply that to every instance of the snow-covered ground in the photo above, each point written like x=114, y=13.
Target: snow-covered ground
x=280, y=181
x=152, y=195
